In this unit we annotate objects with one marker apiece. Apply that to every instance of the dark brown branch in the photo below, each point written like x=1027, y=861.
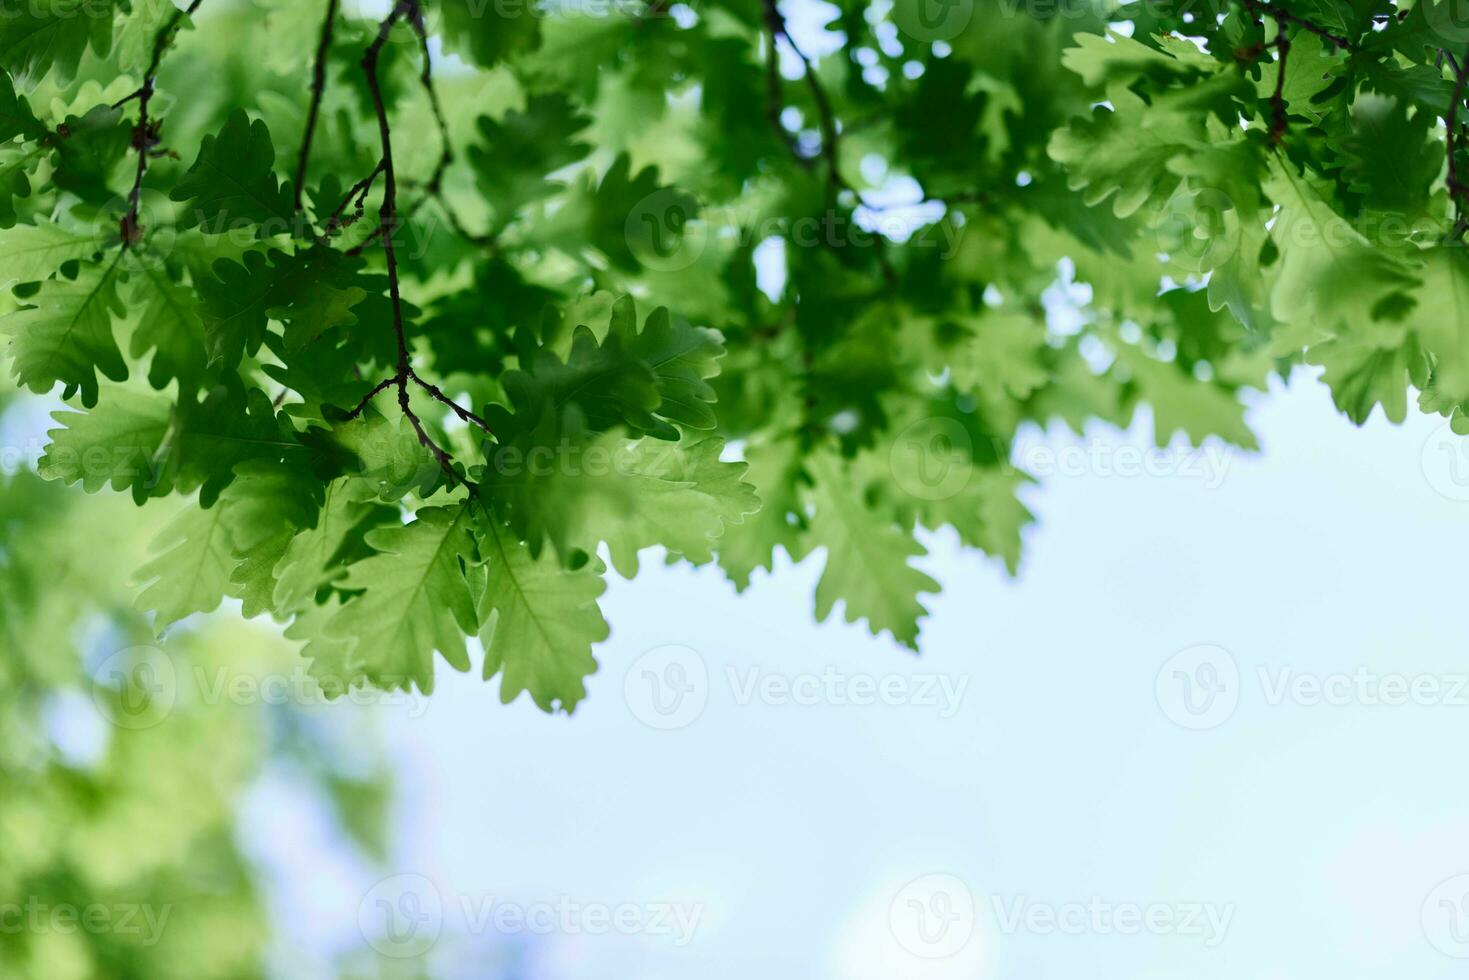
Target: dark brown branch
x=318, y=89
x=434, y=188
x=359, y=191
x=382, y=386
x=426, y=79
x=773, y=104
x=388, y=224
x=1286, y=17
x=775, y=26
x=464, y=414
x=1279, y=120
x=1279, y=117
x=145, y=133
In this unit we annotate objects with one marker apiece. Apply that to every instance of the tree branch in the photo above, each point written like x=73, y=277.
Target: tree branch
x=382, y=386
x=775, y=26
x=145, y=133
x=388, y=225
x=1280, y=118
x=773, y=106
x=464, y=414
x=318, y=89
x=434, y=188
x=1286, y=17
x=359, y=191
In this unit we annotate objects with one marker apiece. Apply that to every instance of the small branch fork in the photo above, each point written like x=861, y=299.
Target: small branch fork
x=1286, y=17
x=433, y=188
x=1279, y=118
x=146, y=132
x=775, y=26
x=1457, y=188
x=387, y=225
x=359, y=191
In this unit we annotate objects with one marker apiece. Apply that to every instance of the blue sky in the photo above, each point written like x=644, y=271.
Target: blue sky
x=1057, y=813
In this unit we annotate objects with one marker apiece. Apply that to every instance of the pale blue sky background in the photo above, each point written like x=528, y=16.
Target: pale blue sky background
x=1318, y=833
x=1318, y=830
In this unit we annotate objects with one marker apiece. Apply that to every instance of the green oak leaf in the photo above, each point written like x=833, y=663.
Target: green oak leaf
x=867, y=558
x=168, y=323
x=517, y=152
x=32, y=252
x=65, y=335
x=232, y=303
x=538, y=620
x=320, y=555
x=414, y=600
x=233, y=183
x=40, y=37
x=190, y=572
x=681, y=357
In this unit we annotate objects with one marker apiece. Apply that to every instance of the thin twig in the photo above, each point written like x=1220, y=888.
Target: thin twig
x=1280, y=118
x=318, y=89
x=367, y=398
x=388, y=223
x=145, y=133
x=426, y=79
x=434, y=188
x=773, y=104
x=464, y=414
x=775, y=25
x=359, y=191
x=1285, y=16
